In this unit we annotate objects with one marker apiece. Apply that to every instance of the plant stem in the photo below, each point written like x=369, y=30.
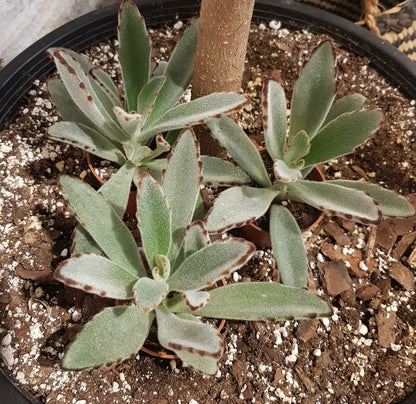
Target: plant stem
x=222, y=45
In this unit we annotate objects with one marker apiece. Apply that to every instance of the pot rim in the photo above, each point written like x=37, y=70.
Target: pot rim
x=17, y=77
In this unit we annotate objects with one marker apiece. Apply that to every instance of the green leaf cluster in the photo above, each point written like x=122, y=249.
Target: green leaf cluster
x=95, y=117
x=172, y=284
x=318, y=130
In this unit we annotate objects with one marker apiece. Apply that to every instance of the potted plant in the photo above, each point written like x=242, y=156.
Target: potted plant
x=241, y=393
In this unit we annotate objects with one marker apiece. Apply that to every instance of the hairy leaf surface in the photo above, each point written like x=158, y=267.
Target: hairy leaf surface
x=96, y=344
x=288, y=247
x=240, y=148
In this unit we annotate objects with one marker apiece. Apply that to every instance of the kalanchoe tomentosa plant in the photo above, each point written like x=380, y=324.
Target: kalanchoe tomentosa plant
x=173, y=285
x=96, y=119
x=319, y=130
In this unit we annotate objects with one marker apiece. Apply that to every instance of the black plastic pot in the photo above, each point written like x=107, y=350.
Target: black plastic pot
x=17, y=77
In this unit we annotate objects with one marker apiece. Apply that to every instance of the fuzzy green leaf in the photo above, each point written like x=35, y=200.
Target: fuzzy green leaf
x=162, y=146
x=106, y=84
x=130, y=122
x=133, y=52
x=152, y=167
x=162, y=268
x=288, y=247
x=390, y=203
x=313, y=92
x=181, y=184
x=159, y=68
x=87, y=139
x=284, y=173
x=196, y=238
x=274, y=118
x=98, y=275
x=208, y=265
x=65, y=105
x=238, y=206
x=194, y=112
x=216, y=171
x=196, y=299
x=240, y=148
x=101, y=82
x=298, y=147
x=97, y=216
x=199, y=345
x=136, y=153
x=154, y=218
x=336, y=200
x=348, y=103
x=256, y=301
x=149, y=293
x=79, y=86
x=148, y=95
x=98, y=342
x=116, y=191
x=178, y=73
x=342, y=135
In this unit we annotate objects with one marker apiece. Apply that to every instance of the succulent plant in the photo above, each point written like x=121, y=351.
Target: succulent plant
x=171, y=282
x=96, y=119
x=319, y=130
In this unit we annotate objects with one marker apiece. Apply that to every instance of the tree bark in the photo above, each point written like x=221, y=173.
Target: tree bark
x=221, y=50
x=222, y=45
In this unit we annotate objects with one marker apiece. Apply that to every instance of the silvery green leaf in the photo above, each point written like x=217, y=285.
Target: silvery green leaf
x=208, y=265
x=257, y=301
x=273, y=105
x=342, y=135
x=154, y=218
x=84, y=243
x=348, y=103
x=314, y=92
x=96, y=344
x=178, y=72
x=102, y=83
x=98, y=275
x=152, y=167
x=87, y=139
x=149, y=293
x=81, y=90
x=136, y=153
x=97, y=216
x=216, y=171
x=159, y=68
x=106, y=84
x=162, y=146
x=199, y=345
x=390, y=203
x=196, y=299
x=240, y=148
x=298, y=147
x=194, y=112
x=288, y=247
x=134, y=51
x=238, y=206
x=283, y=173
x=148, y=95
x=65, y=105
x=130, y=122
x=336, y=200
x=181, y=183
x=116, y=191
x=196, y=238
x=162, y=268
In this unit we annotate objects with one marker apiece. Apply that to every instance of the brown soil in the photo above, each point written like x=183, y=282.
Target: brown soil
x=364, y=353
